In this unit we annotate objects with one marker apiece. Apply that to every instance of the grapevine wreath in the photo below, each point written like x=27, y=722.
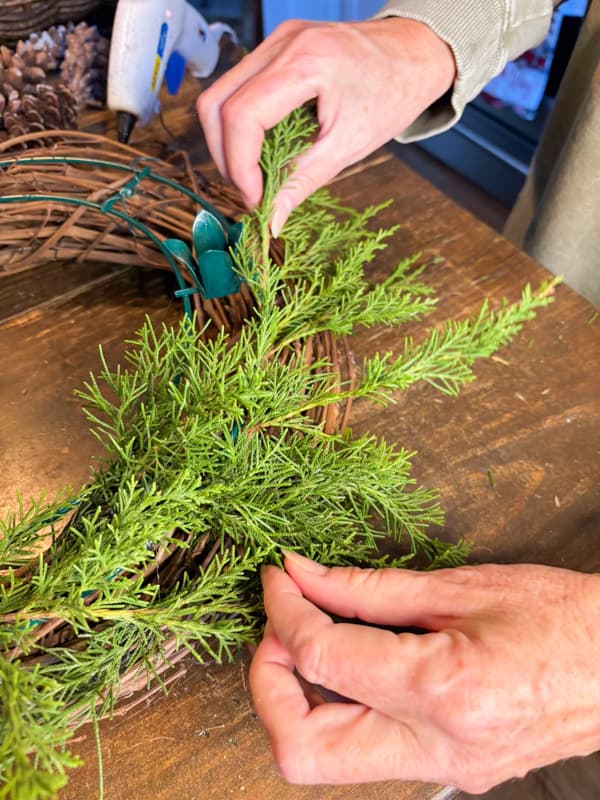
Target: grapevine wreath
x=225, y=436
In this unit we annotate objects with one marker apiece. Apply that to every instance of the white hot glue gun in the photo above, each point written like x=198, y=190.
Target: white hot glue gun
x=152, y=40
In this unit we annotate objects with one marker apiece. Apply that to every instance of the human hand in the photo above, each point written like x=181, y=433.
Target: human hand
x=370, y=79
x=507, y=680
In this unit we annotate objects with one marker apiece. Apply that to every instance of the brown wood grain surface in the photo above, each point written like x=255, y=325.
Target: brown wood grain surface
x=515, y=456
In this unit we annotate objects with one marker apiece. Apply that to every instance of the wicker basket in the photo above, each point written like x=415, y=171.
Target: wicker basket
x=20, y=18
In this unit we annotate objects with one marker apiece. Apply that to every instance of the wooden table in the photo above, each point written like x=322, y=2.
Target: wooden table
x=516, y=458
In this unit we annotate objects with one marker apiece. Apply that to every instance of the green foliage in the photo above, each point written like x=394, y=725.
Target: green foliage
x=211, y=467
x=31, y=715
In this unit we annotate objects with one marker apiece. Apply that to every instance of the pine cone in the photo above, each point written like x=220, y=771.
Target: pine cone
x=28, y=99
x=46, y=49
x=43, y=107
x=34, y=95
x=85, y=64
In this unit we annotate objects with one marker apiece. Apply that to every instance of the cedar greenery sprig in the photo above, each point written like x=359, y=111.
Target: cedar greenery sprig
x=213, y=465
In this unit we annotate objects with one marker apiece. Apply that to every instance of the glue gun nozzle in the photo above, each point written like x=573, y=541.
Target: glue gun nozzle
x=125, y=123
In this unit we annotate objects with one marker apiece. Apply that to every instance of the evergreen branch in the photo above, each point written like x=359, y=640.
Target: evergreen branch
x=31, y=712
x=445, y=358
x=23, y=532
x=212, y=467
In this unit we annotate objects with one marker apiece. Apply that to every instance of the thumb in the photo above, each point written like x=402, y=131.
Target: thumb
x=391, y=597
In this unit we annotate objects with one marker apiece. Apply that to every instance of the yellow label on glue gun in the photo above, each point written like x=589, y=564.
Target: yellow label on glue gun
x=160, y=51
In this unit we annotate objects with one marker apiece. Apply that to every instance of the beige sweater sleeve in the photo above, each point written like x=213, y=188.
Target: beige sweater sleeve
x=483, y=35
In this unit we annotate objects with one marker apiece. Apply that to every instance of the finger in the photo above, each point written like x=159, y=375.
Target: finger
x=398, y=597
x=355, y=661
x=342, y=744
x=275, y=690
x=270, y=663
x=332, y=743
x=210, y=102
x=255, y=108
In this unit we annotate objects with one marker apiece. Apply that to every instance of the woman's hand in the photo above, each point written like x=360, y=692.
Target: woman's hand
x=370, y=79
x=507, y=680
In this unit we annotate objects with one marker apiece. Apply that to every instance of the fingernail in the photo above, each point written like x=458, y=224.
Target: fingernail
x=305, y=564
x=283, y=207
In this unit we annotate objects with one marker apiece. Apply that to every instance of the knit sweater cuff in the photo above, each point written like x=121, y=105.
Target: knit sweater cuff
x=483, y=35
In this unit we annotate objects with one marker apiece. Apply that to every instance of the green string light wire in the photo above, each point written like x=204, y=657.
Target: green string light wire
x=109, y=211
x=107, y=206
x=93, y=162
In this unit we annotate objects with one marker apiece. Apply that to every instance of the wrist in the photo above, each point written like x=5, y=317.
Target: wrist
x=418, y=42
